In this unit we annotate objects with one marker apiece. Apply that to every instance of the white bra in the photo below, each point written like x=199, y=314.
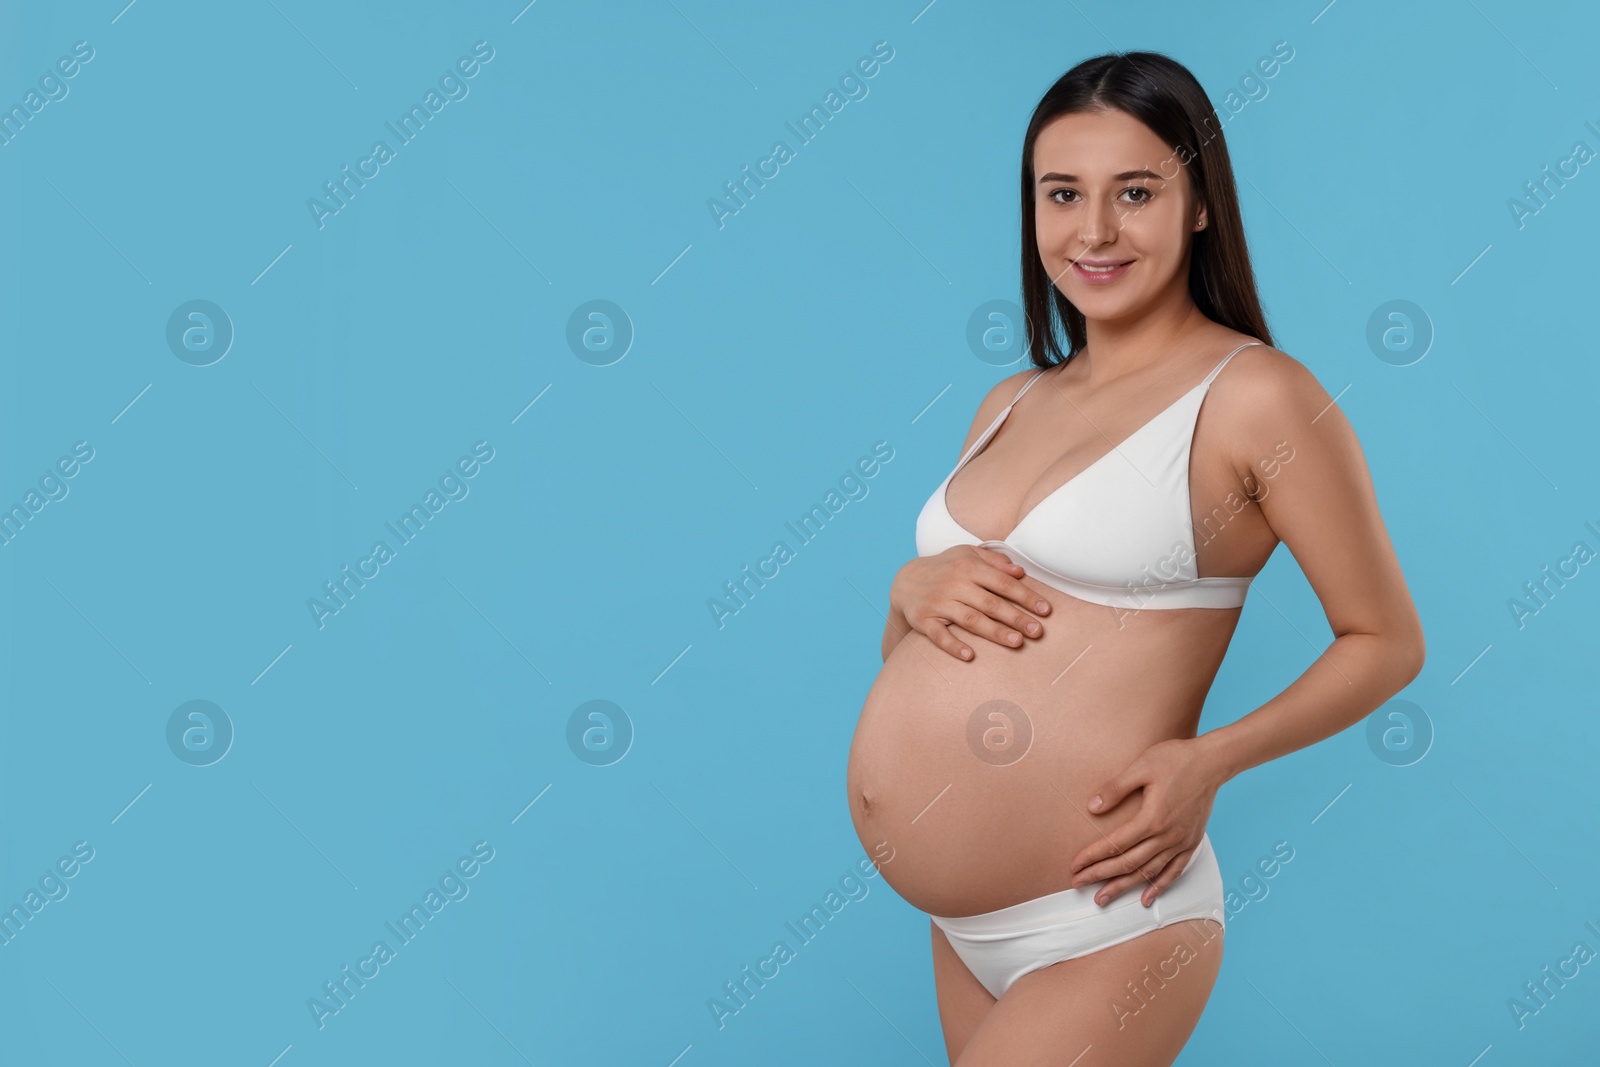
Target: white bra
x=1115, y=534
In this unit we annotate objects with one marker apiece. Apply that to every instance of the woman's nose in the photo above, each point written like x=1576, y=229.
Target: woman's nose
x=1098, y=223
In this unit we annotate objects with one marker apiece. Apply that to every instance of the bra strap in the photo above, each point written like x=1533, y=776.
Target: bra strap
x=993, y=426
x=1026, y=386
x=1218, y=368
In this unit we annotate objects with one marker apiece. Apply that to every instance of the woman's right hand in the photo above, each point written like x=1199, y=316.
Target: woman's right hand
x=974, y=588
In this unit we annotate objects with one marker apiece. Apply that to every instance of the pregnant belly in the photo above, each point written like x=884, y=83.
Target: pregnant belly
x=977, y=774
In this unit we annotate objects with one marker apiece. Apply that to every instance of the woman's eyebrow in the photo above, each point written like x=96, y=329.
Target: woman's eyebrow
x=1127, y=175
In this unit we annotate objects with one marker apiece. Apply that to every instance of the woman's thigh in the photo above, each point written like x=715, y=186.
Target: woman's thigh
x=1130, y=1005
x=963, y=1002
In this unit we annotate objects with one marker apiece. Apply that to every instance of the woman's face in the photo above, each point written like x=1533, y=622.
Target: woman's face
x=1114, y=213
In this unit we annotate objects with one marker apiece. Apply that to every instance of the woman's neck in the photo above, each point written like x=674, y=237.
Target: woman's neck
x=1119, y=348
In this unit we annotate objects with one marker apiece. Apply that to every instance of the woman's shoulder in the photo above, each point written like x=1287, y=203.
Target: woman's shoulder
x=1265, y=395
x=1261, y=377
x=1005, y=391
x=1002, y=393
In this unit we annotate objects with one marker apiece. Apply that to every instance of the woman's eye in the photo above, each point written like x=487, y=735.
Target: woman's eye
x=1137, y=194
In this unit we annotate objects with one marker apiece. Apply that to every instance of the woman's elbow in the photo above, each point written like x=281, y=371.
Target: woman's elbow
x=1412, y=652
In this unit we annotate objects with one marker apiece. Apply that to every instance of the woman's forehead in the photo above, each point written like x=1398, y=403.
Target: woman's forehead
x=1092, y=144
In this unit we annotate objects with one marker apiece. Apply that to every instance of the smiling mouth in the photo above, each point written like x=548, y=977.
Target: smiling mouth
x=1099, y=274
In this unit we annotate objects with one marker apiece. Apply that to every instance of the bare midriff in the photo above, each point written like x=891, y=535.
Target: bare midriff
x=980, y=815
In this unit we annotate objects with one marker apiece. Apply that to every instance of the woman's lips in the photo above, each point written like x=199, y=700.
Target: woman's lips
x=1100, y=276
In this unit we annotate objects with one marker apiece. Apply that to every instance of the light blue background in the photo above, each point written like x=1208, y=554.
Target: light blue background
x=769, y=355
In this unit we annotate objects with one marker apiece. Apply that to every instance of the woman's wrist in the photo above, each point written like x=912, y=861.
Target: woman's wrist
x=895, y=623
x=1216, y=755
x=894, y=585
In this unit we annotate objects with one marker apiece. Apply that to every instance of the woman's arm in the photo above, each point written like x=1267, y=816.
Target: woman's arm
x=984, y=602
x=1324, y=508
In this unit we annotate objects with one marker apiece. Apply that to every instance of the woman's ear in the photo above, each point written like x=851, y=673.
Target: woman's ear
x=1200, y=218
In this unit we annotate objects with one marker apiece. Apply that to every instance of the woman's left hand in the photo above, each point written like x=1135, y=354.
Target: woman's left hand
x=1153, y=848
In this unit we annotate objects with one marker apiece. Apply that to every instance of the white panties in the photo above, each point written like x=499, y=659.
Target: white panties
x=1001, y=946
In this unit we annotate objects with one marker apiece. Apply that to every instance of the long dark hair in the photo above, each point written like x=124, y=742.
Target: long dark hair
x=1161, y=93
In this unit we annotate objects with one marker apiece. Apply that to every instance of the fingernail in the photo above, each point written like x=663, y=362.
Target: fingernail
x=1041, y=606
x=1013, y=639
x=1033, y=628
x=1095, y=803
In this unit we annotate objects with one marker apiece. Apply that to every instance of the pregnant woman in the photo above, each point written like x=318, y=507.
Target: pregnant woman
x=1099, y=533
